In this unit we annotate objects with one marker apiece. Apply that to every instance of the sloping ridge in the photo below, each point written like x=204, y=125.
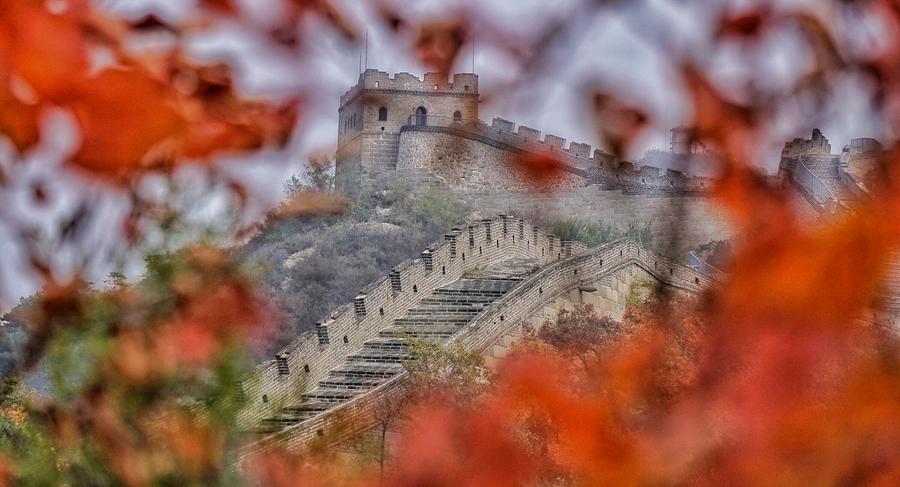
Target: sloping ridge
x=474, y=311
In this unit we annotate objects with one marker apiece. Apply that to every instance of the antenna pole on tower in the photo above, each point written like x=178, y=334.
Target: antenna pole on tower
x=473, y=54
x=367, y=49
x=360, y=62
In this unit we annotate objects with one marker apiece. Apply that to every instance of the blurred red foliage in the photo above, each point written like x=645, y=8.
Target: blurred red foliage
x=540, y=171
x=775, y=377
x=132, y=115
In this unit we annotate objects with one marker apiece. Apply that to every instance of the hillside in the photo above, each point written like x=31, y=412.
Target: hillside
x=308, y=267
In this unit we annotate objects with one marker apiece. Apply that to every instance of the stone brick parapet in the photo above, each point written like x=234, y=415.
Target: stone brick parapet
x=598, y=168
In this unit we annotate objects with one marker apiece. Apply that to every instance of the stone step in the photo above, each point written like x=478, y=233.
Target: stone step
x=457, y=300
x=368, y=369
x=265, y=428
x=290, y=415
x=484, y=283
x=347, y=383
x=422, y=331
x=469, y=292
x=379, y=356
x=330, y=395
x=431, y=320
x=444, y=309
x=279, y=422
x=387, y=344
x=305, y=408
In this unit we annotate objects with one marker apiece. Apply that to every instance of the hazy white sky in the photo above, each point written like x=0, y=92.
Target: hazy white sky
x=606, y=49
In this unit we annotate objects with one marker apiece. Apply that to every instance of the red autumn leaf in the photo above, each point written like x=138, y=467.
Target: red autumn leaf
x=438, y=43
x=47, y=51
x=390, y=17
x=723, y=126
x=224, y=6
x=125, y=116
x=151, y=23
x=747, y=24
x=321, y=10
x=541, y=171
x=620, y=124
x=309, y=203
x=19, y=121
x=795, y=271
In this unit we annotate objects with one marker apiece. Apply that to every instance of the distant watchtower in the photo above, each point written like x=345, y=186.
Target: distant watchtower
x=683, y=141
x=373, y=111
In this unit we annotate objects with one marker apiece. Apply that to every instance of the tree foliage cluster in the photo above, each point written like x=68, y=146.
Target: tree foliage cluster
x=142, y=378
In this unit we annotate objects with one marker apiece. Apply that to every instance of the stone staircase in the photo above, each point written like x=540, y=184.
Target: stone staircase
x=436, y=317
x=890, y=297
x=827, y=169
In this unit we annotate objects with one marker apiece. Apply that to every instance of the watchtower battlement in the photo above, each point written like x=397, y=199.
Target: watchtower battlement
x=464, y=84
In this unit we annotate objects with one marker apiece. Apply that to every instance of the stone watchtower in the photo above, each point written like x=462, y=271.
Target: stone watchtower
x=373, y=112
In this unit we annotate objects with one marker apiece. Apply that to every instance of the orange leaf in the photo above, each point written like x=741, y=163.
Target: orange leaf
x=310, y=203
x=439, y=42
x=19, y=121
x=540, y=170
x=47, y=51
x=620, y=124
x=124, y=116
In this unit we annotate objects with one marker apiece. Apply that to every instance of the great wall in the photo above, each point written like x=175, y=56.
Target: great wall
x=488, y=278
x=479, y=286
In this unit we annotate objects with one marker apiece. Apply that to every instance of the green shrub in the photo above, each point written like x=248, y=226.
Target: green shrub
x=593, y=233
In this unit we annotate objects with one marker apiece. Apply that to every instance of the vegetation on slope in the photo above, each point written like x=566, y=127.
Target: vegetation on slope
x=593, y=232
x=311, y=266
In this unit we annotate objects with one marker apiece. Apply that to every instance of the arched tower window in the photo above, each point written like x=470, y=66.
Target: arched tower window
x=457, y=116
x=382, y=114
x=421, y=116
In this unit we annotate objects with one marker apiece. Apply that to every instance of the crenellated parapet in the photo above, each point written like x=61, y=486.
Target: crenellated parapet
x=461, y=84
x=594, y=167
x=602, y=167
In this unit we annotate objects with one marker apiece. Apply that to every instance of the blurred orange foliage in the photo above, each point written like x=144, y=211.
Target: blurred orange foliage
x=132, y=115
x=776, y=377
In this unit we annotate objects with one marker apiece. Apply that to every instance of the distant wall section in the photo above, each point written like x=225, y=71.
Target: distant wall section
x=464, y=164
